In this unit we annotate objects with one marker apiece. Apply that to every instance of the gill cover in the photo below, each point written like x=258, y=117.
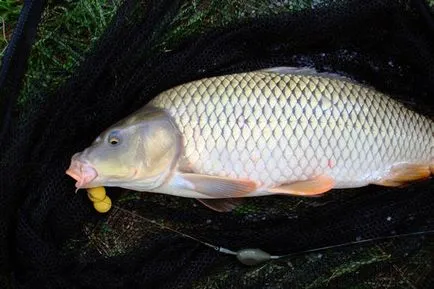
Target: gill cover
x=157, y=149
x=162, y=142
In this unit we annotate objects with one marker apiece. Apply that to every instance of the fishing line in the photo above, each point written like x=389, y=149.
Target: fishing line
x=169, y=228
x=252, y=256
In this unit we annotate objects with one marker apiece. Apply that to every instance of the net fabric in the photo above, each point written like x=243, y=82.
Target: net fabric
x=57, y=240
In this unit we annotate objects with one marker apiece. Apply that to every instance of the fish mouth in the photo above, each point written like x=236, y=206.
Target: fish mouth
x=83, y=173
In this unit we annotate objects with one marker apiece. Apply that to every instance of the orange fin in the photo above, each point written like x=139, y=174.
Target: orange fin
x=403, y=174
x=313, y=187
x=221, y=205
x=219, y=187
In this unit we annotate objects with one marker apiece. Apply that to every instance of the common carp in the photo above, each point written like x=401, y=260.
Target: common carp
x=281, y=130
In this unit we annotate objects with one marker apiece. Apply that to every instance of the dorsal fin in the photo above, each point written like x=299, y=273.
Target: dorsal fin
x=307, y=71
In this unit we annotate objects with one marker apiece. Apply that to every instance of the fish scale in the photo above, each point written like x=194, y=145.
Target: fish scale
x=277, y=128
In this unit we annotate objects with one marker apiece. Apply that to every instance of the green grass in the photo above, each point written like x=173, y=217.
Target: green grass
x=67, y=30
x=197, y=15
x=9, y=13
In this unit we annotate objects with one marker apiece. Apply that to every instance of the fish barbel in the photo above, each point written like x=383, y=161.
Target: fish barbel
x=274, y=131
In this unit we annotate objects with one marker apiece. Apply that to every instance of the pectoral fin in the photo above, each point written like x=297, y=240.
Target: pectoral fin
x=219, y=187
x=221, y=205
x=312, y=187
x=403, y=174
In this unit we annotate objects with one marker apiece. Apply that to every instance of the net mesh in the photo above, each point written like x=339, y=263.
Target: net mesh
x=53, y=238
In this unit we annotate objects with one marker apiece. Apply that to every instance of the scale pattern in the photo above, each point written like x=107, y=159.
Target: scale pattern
x=279, y=128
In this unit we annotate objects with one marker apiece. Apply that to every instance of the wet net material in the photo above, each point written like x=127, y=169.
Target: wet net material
x=53, y=238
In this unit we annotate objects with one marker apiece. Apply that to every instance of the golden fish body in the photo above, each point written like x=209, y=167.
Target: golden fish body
x=278, y=131
x=281, y=128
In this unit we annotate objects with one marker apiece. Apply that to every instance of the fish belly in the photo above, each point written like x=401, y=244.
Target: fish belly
x=278, y=129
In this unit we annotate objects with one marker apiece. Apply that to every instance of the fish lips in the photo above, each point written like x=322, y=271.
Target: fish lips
x=83, y=173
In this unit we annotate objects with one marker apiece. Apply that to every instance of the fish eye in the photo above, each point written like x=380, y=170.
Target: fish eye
x=114, y=139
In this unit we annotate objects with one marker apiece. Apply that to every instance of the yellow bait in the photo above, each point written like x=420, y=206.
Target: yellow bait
x=103, y=206
x=96, y=194
x=101, y=202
